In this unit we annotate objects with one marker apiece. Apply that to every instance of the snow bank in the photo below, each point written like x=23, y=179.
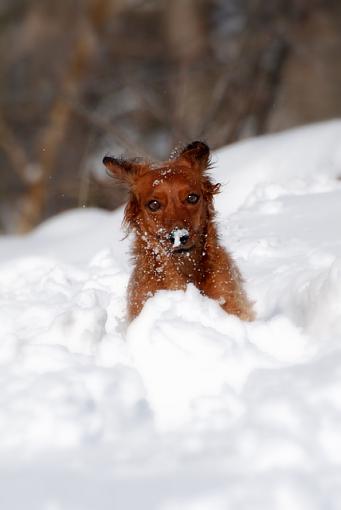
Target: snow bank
x=188, y=408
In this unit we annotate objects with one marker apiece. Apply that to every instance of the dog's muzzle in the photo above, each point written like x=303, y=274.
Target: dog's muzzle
x=179, y=238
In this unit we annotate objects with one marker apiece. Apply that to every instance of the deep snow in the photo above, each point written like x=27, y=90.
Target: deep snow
x=188, y=408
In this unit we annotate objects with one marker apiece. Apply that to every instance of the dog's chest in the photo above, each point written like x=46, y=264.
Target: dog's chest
x=171, y=273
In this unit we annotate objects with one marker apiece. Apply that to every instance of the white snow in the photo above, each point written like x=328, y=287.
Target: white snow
x=187, y=408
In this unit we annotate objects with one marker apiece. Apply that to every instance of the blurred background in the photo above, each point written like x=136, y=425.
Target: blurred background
x=85, y=78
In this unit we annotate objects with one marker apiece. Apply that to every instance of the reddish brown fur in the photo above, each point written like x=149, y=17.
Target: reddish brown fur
x=159, y=263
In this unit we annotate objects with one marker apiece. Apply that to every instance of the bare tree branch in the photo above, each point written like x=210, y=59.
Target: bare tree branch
x=14, y=151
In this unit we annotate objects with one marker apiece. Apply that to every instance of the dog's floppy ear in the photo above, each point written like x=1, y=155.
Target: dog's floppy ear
x=197, y=154
x=122, y=169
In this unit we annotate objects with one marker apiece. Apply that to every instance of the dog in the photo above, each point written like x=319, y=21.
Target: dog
x=171, y=212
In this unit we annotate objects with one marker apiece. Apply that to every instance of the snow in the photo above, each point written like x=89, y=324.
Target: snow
x=177, y=234
x=187, y=408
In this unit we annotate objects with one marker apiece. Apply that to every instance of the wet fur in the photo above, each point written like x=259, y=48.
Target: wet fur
x=158, y=265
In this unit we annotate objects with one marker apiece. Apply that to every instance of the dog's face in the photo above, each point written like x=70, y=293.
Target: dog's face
x=172, y=210
x=170, y=203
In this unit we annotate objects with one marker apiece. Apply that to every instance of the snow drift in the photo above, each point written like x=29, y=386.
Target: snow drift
x=188, y=408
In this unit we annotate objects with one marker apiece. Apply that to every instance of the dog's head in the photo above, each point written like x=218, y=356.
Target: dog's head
x=171, y=203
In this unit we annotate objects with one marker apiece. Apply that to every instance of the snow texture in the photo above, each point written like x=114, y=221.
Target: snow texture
x=187, y=408
x=177, y=234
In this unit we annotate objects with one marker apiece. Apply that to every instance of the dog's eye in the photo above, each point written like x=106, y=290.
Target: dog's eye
x=154, y=205
x=192, y=198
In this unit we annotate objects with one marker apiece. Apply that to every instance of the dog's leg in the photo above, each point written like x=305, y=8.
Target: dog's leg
x=138, y=293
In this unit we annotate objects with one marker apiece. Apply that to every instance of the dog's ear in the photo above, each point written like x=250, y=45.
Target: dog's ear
x=122, y=169
x=197, y=154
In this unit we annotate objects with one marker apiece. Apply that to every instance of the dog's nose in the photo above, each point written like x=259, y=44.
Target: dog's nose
x=179, y=236
x=184, y=239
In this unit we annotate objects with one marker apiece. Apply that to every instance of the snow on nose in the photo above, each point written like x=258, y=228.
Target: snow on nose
x=179, y=236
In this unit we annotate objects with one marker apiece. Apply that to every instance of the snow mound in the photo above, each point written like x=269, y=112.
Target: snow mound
x=186, y=408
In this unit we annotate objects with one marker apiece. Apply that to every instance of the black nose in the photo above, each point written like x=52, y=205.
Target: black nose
x=184, y=239
x=176, y=238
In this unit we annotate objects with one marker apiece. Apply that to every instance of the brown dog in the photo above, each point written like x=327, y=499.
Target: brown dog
x=171, y=212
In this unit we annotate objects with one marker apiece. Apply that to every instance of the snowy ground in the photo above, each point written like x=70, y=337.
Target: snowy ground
x=187, y=408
